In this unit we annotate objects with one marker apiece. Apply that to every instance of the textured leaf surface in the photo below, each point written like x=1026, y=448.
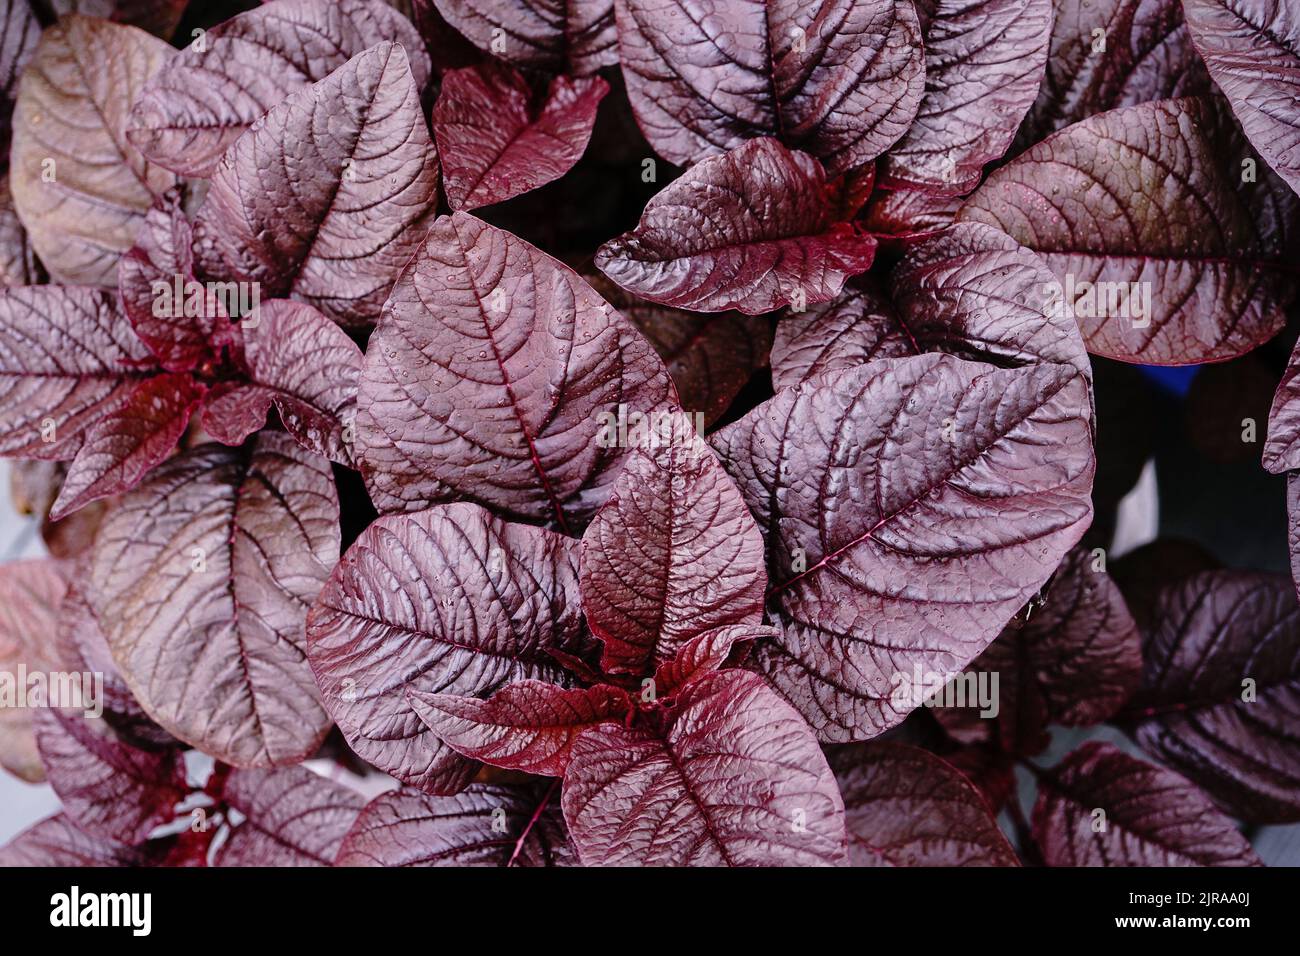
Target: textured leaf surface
x=109, y=787
x=84, y=211
x=1150, y=199
x=499, y=138
x=710, y=356
x=310, y=368
x=188, y=116
x=903, y=806
x=1221, y=692
x=529, y=725
x=1252, y=50
x=970, y=291
x=324, y=199
x=292, y=817
x=1153, y=817
x=1282, y=448
x=1147, y=55
x=1074, y=661
x=162, y=252
x=673, y=553
x=749, y=230
x=159, y=17
x=705, y=653
x=731, y=777
x=960, y=489
x=20, y=31
x=202, y=578
x=18, y=263
x=840, y=80
x=57, y=841
x=491, y=376
x=409, y=828
x=129, y=440
x=983, y=66
x=906, y=213
x=449, y=600
x=67, y=355
x=30, y=593
x=575, y=36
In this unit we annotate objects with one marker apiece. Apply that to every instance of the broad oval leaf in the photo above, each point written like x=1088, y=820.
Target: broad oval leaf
x=1252, y=50
x=529, y=725
x=983, y=65
x=310, y=368
x=324, y=198
x=57, y=841
x=731, y=776
x=1111, y=53
x=751, y=229
x=497, y=375
x=970, y=291
x=291, y=817
x=710, y=356
x=201, y=578
x=673, y=553
x=959, y=489
x=1153, y=816
x=190, y=113
x=448, y=600
x=1073, y=661
x=129, y=440
x=67, y=356
x=1221, y=690
x=1165, y=255
x=904, y=806
x=409, y=828
x=573, y=36
x=81, y=189
x=30, y=594
x=840, y=80
x=499, y=137
x=110, y=788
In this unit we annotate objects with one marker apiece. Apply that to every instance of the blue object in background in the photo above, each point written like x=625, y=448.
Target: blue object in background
x=1175, y=379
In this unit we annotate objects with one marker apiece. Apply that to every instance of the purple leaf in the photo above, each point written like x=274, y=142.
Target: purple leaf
x=449, y=600
x=706, y=653
x=983, y=66
x=969, y=291
x=904, y=806
x=1074, y=661
x=710, y=356
x=201, y=578
x=292, y=817
x=751, y=230
x=325, y=198
x=1166, y=256
x=30, y=593
x=730, y=776
x=67, y=355
x=18, y=263
x=309, y=367
x=1111, y=53
x=110, y=788
x=1101, y=807
x=159, y=17
x=487, y=825
x=80, y=188
x=233, y=410
x=839, y=80
x=959, y=489
x=20, y=31
x=188, y=116
x=574, y=36
x=908, y=213
x=529, y=725
x=56, y=841
x=1282, y=448
x=1252, y=50
x=129, y=440
x=500, y=138
x=494, y=375
x=673, y=553
x=175, y=318
x=1221, y=690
